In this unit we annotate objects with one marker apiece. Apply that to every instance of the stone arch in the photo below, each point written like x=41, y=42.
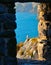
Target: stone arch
x=7, y=34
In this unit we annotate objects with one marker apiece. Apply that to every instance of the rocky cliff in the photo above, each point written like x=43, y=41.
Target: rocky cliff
x=39, y=48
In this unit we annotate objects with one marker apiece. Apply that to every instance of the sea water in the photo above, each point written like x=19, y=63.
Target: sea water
x=27, y=24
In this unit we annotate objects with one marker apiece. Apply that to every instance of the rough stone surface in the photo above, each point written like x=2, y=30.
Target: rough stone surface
x=32, y=62
x=7, y=60
x=9, y=25
x=3, y=9
x=44, y=27
x=7, y=17
x=6, y=1
x=42, y=48
x=2, y=46
x=12, y=50
x=7, y=34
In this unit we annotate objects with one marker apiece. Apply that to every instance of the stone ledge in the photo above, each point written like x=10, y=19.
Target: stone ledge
x=32, y=62
x=7, y=60
x=9, y=1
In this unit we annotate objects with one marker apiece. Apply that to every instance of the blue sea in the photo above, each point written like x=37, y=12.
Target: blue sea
x=27, y=24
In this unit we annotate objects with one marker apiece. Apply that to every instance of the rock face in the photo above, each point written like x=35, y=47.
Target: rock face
x=44, y=28
x=39, y=48
x=7, y=34
x=28, y=50
x=19, y=46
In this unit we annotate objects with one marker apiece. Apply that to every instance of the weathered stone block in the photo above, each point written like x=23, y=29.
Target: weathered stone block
x=47, y=52
x=9, y=25
x=44, y=28
x=7, y=1
x=10, y=7
x=47, y=16
x=47, y=24
x=2, y=46
x=49, y=33
x=3, y=9
x=7, y=17
x=10, y=1
x=12, y=47
x=7, y=60
x=0, y=26
x=7, y=34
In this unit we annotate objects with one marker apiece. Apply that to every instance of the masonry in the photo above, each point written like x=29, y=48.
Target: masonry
x=7, y=33
x=44, y=29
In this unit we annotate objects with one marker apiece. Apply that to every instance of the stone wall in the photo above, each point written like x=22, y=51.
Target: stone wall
x=32, y=62
x=7, y=34
x=44, y=28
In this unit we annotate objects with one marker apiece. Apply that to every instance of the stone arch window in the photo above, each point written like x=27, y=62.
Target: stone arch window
x=7, y=34
x=27, y=21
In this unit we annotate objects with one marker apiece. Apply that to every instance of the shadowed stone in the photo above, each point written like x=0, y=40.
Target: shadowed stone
x=10, y=1
x=47, y=24
x=10, y=61
x=10, y=7
x=9, y=25
x=6, y=60
x=7, y=17
x=49, y=33
x=45, y=30
x=3, y=9
x=47, y=52
x=33, y=1
x=47, y=16
x=2, y=46
x=12, y=47
x=32, y=62
x=7, y=34
x=0, y=26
